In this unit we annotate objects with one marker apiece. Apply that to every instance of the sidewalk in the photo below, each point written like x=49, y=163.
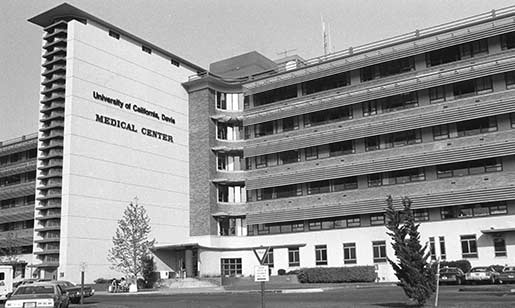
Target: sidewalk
x=269, y=288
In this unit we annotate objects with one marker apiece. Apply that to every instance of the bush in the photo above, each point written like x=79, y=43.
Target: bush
x=337, y=274
x=281, y=272
x=101, y=280
x=148, y=267
x=464, y=265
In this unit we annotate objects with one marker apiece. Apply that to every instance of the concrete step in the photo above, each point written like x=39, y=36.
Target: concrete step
x=180, y=283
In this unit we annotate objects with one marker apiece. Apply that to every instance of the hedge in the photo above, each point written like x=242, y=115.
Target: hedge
x=336, y=274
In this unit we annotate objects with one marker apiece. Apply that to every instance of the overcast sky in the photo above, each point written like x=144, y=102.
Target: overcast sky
x=203, y=31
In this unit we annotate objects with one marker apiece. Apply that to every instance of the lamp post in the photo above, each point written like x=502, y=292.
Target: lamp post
x=82, y=270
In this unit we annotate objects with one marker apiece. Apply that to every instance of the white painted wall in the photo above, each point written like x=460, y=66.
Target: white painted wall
x=363, y=237
x=105, y=167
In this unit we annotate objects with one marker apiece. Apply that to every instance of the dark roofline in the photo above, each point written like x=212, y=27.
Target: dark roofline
x=64, y=10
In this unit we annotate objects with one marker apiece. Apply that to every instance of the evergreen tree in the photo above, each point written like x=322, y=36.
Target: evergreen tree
x=415, y=275
x=131, y=243
x=148, y=271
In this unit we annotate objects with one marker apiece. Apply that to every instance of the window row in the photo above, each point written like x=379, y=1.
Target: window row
x=229, y=101
x=17, y=157
x=378, y=219
x=380, y=142
x=438, y=94
x=18, y=178
x=469, y=246
x=479, y=166
x=17, y=225
x=433, y=58
x=22, y=201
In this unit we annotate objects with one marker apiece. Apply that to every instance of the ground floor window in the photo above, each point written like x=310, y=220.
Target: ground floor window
x=432, y=248
x=321, y=254
x=293, y=257
x=231, y=267
x=500, y=247
x=443, y=252
x=469, y=246
x=379, y=250
x=349, y=253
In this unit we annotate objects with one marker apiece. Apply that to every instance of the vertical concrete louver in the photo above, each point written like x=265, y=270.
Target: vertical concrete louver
x=50, y=156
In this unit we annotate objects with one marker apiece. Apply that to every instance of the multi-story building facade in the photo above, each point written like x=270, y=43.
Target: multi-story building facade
x=17, y=198
x=295, y=155
x=301, y=157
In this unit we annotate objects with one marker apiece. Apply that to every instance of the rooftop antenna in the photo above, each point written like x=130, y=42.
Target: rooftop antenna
x=326, y=39
x=285, y=52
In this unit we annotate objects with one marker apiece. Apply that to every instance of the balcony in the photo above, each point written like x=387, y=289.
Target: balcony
x=52, y=135
x=430, y=115
x=54, y=105
x=55, y=87
x=18, y=167
x=19, y=213
x=55, y=51
x=18, y=144
x=47, y=252
x=17, y=190
x=229, y=177
x=47, y=204
x=408, y=82
x=57, y=41
x=422, y=155
x=426, y=194
x=53, y=97
x=53, y=60
x=53, y=78
x=51, y=164
x=54, y=69
x=53, y=115
x=48, y=228
x=55, y=32
x=53, y=124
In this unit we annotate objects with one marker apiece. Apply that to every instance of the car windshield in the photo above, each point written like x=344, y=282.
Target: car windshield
x=509, y=269
x=478, y=269
x=66, y=284
x=449, y=270
x=34, y=290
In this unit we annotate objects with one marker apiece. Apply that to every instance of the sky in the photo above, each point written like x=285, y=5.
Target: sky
x=206, y=31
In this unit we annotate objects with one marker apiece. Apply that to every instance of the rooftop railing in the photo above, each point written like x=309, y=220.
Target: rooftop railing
x=395, y=40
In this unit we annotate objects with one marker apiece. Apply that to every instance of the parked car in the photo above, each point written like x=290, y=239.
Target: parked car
x=507, y=275
x=451, y=275
x=73, y=290
x=28, y=281
x=482, y=274
x=38, y=294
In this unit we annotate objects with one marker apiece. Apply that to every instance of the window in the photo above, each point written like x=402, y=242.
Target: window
x=341, y=148
x=374, y=180
x=349, y=253
x=290, y=124
x=264, y=129
x=221, y=161
x=311, y=153
x=288, y=157
x=473, y=87
x=293, y=257
x=114, y=34
x=326, y=83
x=469, y=168
x=315, y=225
x=327, y=116
x=268, y=259
x=146, y=49
x=437, y=94
x=443, y=252
x=379, y=251
x=345, y=183
x=469, y=246
x=377, y=219
x=508, y=40
x=261, y=161
x=403, y=138
x=353, y=222
x=321, y=254
x=275, y=95
x=231, y=267
x=403, y=176
x=372, y=143
x=441, y=132
x=499, y=247
x=421, y=215
x=509, y=78
x=318, y=187
x=369, y=108
x=387, y=68
x=432, y=248
x=399, y=102
x=175, y=62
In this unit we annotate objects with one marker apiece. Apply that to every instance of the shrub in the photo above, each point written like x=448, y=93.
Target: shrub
x=147, y=268
x=464, y=265
x=101, y=280
x=337, y=274
x=281, y=272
